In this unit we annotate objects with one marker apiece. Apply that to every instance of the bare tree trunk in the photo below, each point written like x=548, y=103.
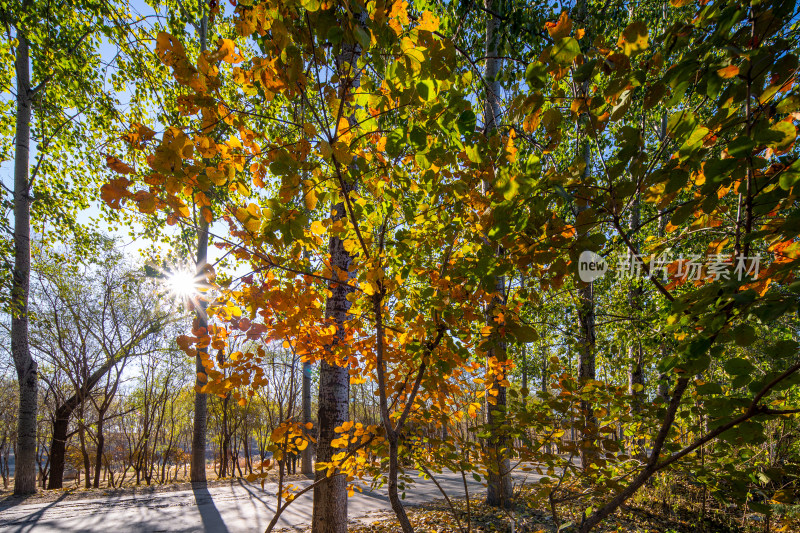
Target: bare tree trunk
x=499, y=482
x=198, y=458
x=307, y=468
x=27, y=369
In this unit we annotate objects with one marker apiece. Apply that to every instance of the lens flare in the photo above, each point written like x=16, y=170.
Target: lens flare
x=183, y=284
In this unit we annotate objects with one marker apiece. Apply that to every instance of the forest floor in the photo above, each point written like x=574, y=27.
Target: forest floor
x=649, y=512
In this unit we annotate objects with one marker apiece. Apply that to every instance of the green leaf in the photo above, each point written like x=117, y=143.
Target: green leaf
x=524, y=333
x=779, y=137
x=536, y=75
x=395, y=141
x=466, y=122
x=362, y=37
x=426, y=90
x=565, y=50
x=418, y=138
x=335, y=34
x=744, y=335
x=738, y=366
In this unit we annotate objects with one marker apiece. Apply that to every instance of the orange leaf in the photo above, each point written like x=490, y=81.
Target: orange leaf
x=118, y=166
x=561, y=28
x=728, y=72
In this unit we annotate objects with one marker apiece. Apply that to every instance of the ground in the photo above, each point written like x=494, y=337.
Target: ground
x=235, y=505
x=222, y=507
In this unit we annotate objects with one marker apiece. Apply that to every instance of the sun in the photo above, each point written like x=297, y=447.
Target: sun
x=183, y=284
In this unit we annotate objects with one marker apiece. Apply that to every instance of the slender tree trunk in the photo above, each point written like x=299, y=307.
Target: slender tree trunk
x=98, y=461
x=394, y=496
x=499, y=482
x=198, y=458
x=307, y=467
x=635, y=372
x=586, y=367
x=225, y=451
x=27, y=369
x=87, y=463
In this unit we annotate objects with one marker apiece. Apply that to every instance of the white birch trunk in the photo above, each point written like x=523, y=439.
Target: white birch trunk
x=25, y=468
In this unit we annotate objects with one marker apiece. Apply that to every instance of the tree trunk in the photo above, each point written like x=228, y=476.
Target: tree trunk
x=330, y=497
x=98, y=464
x=394, y=497
x=226, y=440
x=58, y=447
x=586, y=367
x=307, y=468
x=636, y=372
x=27, y=369
x=499, y=482
x=87, y=466
x=198, y=459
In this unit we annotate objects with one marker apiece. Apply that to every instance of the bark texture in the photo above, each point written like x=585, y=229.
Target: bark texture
x=330, y=497
x=199, y=429
x=198, y=458
x=27, y=369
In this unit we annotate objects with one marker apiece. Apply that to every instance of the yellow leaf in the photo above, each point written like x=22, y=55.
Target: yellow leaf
x=227, y=52
x=531, y=122
x=317, y=228
x=428, y=22
x=216, y=176
x=634, y=38
x=341, y=151
x=206, y=147
x=207, y=214
x=309, y=195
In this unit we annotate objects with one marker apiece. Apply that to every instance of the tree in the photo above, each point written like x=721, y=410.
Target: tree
x=89, y=320
x=25, y=469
